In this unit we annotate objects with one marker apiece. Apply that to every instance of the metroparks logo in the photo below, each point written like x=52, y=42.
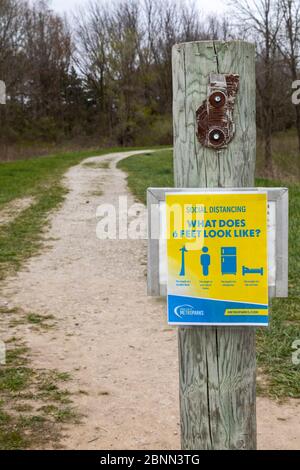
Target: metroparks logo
x=187, y=310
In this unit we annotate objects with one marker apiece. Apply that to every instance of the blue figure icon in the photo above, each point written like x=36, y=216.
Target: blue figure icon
x=205, y=261
x=182, y=270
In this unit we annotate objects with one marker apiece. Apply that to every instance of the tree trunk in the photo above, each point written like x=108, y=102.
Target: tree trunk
x=268, y=146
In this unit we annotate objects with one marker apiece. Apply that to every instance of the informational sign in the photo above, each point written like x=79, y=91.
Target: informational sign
x=217, y=258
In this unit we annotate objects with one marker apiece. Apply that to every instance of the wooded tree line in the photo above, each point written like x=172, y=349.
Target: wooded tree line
x=105, y=72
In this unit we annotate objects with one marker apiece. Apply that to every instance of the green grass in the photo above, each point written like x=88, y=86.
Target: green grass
x=40, y=178
x=274, y=344
x=14, y=379
x=36, y=175
x=18, y=316
x=33, y=403
x=40, y=320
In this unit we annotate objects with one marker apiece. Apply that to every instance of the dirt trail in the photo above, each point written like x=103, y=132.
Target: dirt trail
x=110, y=336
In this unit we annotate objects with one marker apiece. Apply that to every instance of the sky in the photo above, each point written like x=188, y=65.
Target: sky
x=209, y=6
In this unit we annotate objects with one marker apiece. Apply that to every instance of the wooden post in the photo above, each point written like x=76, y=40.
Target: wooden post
x=217, y=365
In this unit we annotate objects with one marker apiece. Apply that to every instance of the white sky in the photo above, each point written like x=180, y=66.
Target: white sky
x=207, y=6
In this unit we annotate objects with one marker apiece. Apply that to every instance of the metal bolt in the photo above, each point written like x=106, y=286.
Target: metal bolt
x=216, y=136
x=217, y=99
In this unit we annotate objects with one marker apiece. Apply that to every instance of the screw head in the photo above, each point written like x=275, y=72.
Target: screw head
x=216, y=137
x=217, y=99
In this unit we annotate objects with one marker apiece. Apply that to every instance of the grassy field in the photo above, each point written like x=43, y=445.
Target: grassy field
x=274, y=344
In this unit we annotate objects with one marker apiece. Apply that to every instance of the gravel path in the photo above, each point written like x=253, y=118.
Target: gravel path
x=109, y=335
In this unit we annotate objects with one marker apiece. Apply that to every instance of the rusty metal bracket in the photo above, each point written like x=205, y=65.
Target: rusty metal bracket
x=215, y=125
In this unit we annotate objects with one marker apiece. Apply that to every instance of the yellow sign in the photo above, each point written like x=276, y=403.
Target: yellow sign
x=217, y=258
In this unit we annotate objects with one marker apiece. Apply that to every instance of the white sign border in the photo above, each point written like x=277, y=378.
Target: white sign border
x=278, y=195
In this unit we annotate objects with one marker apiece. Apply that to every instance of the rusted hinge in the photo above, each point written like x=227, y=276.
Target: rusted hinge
x=215, y=126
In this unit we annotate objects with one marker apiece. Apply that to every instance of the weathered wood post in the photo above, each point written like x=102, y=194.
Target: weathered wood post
x=217, y=364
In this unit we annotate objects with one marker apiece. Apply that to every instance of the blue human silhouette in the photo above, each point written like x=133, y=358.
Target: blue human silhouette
x=205, y=261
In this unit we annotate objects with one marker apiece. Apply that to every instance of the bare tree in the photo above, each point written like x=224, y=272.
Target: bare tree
x=260, y=22
x=116, y=83
x=48, y=48
x=91, y=56
x=289, y=45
